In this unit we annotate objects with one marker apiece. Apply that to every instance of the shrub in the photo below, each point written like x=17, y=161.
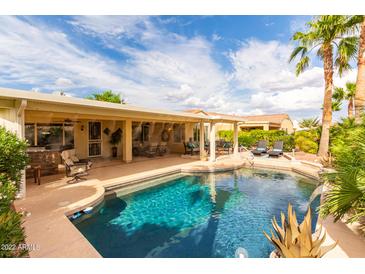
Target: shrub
x=307, y=141
x=13, y=159
x=250, y=138
x=346, y=194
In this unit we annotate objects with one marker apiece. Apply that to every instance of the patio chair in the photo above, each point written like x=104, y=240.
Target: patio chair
x=191, y=148
x=261, y=148
x=227, y=146
x=162, y=149
x=75, y=170
x=277, y=149
x=75, y=167
x=71, y=154
x=151, y=150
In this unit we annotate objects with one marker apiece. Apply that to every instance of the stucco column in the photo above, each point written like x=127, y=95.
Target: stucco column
x=20, y=118
x=202, y=140
x=235, y=138
x=127, y=141
x=266, y=127
x=212, y=142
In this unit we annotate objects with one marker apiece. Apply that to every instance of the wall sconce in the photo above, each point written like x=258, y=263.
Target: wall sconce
x=82, y=127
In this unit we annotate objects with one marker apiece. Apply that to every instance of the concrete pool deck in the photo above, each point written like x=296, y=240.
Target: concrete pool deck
x=48, y=205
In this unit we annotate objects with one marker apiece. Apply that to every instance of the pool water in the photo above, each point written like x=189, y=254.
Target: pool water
x=197, y=216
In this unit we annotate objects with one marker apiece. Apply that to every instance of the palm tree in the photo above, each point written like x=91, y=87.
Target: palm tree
x=311, y=123
x=341, y=94
x=327, y=34
x=360, y=81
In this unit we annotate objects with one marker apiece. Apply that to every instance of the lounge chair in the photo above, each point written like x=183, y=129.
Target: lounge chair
x=261, y=148
x=277, y=149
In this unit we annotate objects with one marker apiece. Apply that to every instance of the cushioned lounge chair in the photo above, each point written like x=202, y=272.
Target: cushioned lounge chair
x=277, y=149
x=261, y=148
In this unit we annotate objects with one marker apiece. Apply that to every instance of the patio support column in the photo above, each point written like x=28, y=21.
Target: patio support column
x=212, y=142
x=127, y=141
x=202, y=140
x=235, y=138
x=20, y=130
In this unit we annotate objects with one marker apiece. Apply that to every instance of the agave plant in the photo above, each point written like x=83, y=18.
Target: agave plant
x=296, y=241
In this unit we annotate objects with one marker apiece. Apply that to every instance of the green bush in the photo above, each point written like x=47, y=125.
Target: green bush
x=346, y=196
x=13, y=159
x=250, y=138
x=307, y=141
x=11, y=235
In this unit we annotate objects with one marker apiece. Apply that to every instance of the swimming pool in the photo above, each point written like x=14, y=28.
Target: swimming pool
x=200, y=215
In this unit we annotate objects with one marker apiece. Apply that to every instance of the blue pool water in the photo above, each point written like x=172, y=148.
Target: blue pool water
x=204, y=216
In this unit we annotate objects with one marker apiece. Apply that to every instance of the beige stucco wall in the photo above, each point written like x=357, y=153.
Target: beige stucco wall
x=287, y=125
x=8, y=119
x=223, y=126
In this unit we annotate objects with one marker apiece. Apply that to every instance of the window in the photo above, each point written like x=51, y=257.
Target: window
x=69, y=134
x=30, y=134
x=49, y=135
x=179, y=133
x=145, y=132
x=141, y=132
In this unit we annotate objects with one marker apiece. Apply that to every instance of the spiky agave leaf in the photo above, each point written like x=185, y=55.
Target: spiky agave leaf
x=293, y=240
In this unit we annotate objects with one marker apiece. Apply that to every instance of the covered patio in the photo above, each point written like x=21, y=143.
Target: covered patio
x=54, y=123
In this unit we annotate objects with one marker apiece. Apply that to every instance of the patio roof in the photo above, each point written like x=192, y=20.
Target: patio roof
x=115, y=109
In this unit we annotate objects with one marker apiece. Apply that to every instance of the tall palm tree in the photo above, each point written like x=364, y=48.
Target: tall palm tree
x=341, y=94
x=328, y=35
x=360, y=81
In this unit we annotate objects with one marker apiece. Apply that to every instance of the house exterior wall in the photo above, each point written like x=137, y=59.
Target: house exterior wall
x=287, y=125
x=223, y=126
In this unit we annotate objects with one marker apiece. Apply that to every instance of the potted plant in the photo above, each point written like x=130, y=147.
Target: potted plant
x=115, y=139
x=292, y=240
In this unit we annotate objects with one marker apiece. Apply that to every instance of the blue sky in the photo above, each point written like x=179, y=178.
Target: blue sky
x=229, y=64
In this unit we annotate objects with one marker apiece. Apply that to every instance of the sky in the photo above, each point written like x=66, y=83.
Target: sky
x=228, y=64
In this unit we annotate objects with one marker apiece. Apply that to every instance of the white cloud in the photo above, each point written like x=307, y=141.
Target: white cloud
x=168, y=70
x=63, y=82
x=216, y=37
x=110, y=25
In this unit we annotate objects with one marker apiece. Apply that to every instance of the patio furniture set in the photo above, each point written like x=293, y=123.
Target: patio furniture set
x=150, y=150
x=222, y=147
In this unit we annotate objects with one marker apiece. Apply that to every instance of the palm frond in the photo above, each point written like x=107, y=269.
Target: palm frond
x=302, y=65
x=301, y=49
x=338, y=94
x=346, y=51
